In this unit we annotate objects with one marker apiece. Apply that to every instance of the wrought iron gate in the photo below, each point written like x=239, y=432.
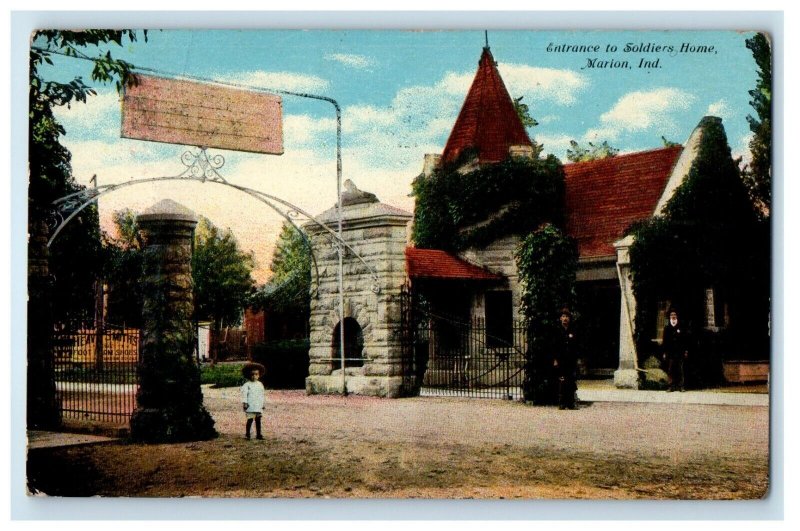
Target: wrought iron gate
x=443, y=356
x=95, y=372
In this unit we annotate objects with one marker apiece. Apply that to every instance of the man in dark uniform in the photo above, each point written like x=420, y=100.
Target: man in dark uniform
x=565, y=361
x=675, y=345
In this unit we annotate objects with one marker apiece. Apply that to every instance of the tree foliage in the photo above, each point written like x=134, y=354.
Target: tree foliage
x=221, y=272
x=76, y=255
x=456, y=210
x=758, y=175
x=578, y=153
x=668, y=143
x=708, y=237
x=524, y=114
x=123, y=270
x=547, y=262
x=288, y=289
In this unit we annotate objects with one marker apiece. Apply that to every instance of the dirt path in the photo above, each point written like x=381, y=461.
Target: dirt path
x=435, y=447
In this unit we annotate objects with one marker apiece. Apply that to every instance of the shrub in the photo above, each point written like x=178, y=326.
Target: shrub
x=222, y=375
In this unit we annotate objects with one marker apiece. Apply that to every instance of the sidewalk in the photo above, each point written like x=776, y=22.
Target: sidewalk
x=52, y=439
x=604, y=391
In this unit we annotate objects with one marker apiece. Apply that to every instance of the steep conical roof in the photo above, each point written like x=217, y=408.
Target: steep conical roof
x=488, y=121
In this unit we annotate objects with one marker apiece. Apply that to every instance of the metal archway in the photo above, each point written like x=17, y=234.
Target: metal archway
x=202, y=168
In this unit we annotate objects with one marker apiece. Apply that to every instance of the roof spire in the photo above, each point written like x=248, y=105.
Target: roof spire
x=487, y=122
x=486, y=36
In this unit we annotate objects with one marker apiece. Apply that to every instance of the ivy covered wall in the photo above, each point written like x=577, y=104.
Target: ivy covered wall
x=708, y=237
x=456, y=210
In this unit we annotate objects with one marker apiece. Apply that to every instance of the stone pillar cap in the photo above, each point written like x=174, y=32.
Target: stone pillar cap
x=167, y=209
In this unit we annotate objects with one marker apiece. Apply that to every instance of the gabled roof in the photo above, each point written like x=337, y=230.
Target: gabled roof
x=604, y=197
x=488, y=121
x=433, y=263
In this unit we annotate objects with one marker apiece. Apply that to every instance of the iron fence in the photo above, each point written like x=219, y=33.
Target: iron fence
x=445, y=356
x=465, y=359
x=95, y=371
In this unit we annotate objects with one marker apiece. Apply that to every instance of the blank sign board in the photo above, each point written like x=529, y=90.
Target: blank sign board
x=202, y=114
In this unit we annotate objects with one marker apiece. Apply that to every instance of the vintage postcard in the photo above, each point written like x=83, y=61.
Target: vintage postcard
x=399, y=264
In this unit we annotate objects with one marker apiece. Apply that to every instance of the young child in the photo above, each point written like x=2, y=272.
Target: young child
x=253, y=397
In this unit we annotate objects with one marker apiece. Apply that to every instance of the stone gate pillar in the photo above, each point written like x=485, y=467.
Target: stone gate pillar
x=43, y=410
x=372, y=298
x=169, y=404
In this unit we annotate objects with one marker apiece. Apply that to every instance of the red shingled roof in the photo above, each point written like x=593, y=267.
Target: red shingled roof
x=487, y=121
x=603, y=197
x=433, y=263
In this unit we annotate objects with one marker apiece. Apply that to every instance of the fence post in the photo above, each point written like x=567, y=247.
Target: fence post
x=99, y=325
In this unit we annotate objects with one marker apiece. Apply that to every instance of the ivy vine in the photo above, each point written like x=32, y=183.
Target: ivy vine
x=456, y=210
x=547, y=262
x=709, y=236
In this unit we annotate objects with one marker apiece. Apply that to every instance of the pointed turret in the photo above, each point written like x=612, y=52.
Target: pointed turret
x=488, y=122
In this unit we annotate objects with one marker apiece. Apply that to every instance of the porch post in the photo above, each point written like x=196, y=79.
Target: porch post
x=627, y=375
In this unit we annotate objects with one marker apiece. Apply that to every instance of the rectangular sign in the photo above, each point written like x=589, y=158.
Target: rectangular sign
x=200, y=114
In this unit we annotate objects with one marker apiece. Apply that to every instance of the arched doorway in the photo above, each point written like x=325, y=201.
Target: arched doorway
x=353, y=345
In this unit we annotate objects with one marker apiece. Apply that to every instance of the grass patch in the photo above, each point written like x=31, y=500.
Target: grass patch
x=222, y=375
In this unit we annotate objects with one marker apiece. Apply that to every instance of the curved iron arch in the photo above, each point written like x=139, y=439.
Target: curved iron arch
x=201, y=168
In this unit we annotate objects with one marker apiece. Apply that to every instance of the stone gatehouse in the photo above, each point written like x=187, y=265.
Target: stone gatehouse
x=372, y=290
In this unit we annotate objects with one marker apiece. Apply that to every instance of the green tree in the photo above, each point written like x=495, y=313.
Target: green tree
x=75, y=256
x=524, y=113
x=758, y=175
x=221, y=272
x=288, y=289
x=668, y=143
x=578, y=153
x=123, y=270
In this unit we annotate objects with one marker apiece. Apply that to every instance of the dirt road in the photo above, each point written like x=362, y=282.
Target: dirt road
x=319, y=446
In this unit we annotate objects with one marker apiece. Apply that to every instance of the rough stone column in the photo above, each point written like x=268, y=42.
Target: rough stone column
x=43, y=411
x=627, y=375
x=169, y=404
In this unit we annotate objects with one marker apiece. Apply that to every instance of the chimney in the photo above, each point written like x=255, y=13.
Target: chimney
x=521, y=151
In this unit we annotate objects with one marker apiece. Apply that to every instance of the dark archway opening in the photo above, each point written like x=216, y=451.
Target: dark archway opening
x=353, y=345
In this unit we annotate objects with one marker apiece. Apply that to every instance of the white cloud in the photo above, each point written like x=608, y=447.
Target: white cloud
x=554, y=144
x=742, y=149
x=360, y=62
x=302, y=130
x=535, y=84
x=542, y=84
x=639, y=111
x=278, y=80
x=719, y=108
x=99, y=116
x=548, y=119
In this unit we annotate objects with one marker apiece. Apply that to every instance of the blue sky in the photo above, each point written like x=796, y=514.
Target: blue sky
x=400, y=93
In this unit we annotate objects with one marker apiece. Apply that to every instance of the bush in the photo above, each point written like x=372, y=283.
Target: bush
x=222, y=375
x=286, y=363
